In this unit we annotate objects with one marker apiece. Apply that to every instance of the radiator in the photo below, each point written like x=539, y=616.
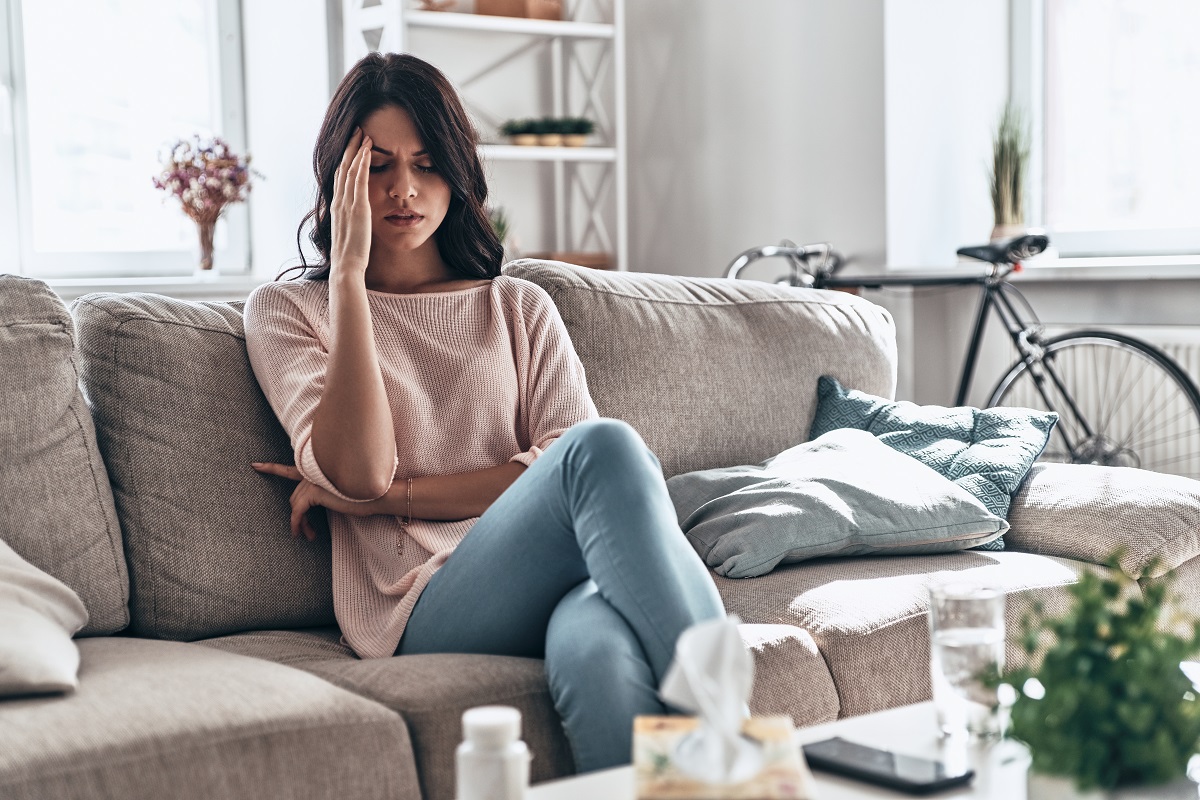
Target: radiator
x=1167, y=433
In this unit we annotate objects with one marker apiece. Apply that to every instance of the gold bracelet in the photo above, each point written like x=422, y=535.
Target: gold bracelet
x=408, y=516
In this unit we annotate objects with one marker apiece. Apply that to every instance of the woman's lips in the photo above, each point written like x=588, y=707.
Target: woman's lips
x=403, y=220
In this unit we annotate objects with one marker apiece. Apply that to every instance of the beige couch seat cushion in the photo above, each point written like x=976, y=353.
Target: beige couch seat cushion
x=56, y=507
x=430, y=692
x=790, y=675
x=155, y=719
x=711, y=372
x=869, y=616
x=179, y=417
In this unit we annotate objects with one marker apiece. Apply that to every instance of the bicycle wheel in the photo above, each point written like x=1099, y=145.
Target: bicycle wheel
x=1121, y=402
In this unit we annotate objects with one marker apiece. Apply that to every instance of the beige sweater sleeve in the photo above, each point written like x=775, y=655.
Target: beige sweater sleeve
x=554, y=393
x=289, y=361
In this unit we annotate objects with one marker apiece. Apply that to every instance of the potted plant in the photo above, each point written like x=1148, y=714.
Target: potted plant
x=1103, y=705
x=548, y=131
x=576, y=130
x=1010, y=162
x=520, y=131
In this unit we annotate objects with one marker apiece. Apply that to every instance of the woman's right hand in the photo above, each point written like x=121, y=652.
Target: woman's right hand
x=351, y=210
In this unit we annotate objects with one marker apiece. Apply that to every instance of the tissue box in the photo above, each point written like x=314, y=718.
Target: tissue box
x=784, y=776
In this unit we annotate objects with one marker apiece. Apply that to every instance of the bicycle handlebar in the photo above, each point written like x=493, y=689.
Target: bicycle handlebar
x=798, y=255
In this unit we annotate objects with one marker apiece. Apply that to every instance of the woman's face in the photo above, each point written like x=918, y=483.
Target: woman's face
x=409, y=198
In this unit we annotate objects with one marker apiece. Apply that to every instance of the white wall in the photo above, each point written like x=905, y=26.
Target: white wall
x=751, y=122
x=287, y=90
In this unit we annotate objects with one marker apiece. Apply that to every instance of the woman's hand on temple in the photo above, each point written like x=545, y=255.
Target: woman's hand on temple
x=307, y=495
x=351, y=210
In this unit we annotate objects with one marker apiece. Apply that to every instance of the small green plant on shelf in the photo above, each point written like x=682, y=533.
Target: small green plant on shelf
x=549, y=131
x=1010, y=163
x=1105, y=700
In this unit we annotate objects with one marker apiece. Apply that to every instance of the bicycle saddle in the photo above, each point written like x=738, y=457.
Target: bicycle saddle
x=1008, y=251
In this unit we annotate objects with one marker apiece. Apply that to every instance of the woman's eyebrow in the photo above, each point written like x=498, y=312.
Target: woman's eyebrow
x=381, y=151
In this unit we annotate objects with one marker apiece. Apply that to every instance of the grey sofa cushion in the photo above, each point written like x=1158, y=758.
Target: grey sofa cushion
x=431, y=692
x=156, y=719
x=869, y=617
x=56, y=506
x=714, y=372
x=845, y=493
x=1086, y=512
x=179, y=417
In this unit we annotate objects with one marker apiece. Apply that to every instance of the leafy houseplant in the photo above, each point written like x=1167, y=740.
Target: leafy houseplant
x=1105, y=704
x=1010, y=163
x=520, y=131
x=575, y=130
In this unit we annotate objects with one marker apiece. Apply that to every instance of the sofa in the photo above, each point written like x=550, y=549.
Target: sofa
x=211, y=664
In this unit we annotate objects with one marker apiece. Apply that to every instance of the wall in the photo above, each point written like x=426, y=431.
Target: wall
x=750, y=123
x=285, y=51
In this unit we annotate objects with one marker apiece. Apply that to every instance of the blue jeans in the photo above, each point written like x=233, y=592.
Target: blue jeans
x=581, y=562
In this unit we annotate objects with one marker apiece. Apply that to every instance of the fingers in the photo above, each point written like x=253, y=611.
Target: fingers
x=282, y=470
x=353, y=147
x=363, y=174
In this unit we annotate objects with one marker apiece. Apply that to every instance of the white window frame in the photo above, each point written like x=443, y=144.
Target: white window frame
x=16, y=249
x=1027, y=86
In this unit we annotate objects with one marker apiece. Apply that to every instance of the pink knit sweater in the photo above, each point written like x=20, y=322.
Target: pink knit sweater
x=476, y=378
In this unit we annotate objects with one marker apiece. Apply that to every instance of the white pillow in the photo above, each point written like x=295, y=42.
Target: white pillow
x=38, y=615
x=843, y=494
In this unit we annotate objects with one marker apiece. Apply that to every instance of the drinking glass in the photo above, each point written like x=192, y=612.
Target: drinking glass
x=966, y=633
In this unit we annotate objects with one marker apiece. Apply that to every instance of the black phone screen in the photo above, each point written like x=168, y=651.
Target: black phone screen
x=909, y=773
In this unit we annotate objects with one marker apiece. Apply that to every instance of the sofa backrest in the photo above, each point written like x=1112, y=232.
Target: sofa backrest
x=56, y=508
x=715, y=372
x=179, y=417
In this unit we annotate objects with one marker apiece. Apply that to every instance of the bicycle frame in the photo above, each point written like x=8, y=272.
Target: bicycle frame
x=1025, y=336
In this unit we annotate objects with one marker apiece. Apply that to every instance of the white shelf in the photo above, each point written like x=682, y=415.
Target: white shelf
x=510, y=152
x=487, y=23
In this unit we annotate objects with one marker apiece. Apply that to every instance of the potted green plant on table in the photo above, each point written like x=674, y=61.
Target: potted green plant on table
x=1010, y=163
x=548, y=131
x=1104, y=706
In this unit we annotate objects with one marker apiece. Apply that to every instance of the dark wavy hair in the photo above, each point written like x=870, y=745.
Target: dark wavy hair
x=466, y=240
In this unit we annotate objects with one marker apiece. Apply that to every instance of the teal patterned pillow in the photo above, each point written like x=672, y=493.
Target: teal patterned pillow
x=985, y=451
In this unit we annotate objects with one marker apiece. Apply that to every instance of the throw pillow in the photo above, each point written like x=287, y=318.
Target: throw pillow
x=38, y=615
x=985, y=451
x=844, y=494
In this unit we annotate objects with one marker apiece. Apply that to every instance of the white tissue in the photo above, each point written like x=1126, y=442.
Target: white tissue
x=712, y=677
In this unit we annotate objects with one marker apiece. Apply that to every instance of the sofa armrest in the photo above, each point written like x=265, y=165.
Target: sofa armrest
x=1086, y=512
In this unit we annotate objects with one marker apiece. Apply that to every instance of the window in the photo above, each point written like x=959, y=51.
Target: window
x=1112, y=87
x=96, y=90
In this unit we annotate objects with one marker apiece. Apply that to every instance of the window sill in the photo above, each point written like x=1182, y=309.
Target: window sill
x=224, y=288
x=1111, y=268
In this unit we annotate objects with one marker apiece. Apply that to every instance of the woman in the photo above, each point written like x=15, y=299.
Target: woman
x=440, y=414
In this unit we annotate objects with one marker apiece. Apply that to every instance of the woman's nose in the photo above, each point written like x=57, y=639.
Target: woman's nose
x=404, y=185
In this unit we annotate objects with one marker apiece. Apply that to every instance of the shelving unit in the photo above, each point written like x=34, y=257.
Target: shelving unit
x=569, y=198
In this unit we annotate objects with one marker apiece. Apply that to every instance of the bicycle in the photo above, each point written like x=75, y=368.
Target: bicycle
x=1121, y=401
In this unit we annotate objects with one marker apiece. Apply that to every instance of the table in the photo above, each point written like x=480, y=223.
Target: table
x=999, y=768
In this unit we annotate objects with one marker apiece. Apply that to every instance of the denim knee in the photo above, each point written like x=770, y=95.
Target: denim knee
x=611, y=440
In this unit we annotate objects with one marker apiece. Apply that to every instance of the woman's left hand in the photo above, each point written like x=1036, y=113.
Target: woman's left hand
x=307, y=495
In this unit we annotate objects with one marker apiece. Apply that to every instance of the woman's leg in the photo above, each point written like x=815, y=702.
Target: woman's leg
x=599, y=678
x=593, y=506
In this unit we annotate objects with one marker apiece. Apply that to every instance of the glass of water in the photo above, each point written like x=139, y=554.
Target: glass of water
x=966, y=633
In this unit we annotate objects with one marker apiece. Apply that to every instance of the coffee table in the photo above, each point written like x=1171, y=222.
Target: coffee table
x=999, y=768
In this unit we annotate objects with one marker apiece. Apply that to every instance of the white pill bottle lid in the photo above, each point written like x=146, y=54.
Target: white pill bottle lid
x=491, y=726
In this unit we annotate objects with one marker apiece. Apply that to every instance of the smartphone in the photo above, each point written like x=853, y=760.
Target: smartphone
x=895, y=771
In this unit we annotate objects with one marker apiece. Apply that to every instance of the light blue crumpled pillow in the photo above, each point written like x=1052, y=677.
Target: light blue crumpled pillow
x=844, y=494
x=988, y=452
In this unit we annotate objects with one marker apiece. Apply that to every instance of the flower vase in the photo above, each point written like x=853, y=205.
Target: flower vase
x=205, y=269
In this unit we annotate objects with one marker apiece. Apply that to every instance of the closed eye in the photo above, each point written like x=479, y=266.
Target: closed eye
x=379, y=168
x=426, y=168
